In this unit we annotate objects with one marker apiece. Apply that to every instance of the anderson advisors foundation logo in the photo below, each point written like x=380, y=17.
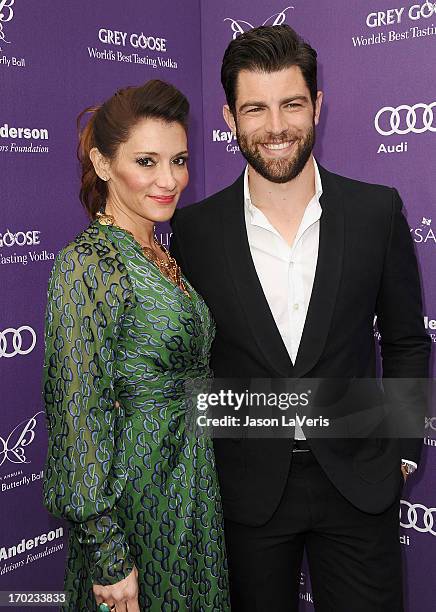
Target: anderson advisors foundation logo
x=18, y=140
x=17, y=555
x=147, y=49
x=6, y=16
x=397, y=25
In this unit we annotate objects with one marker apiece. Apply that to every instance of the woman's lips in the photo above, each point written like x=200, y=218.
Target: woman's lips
x=163, y=199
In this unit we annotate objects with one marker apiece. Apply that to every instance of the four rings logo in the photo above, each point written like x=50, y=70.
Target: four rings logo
x=430, y=423
x=405, y=119
x=418, y=517
x=6, y=14
x=239, y=26
x=12, y=341
x=13, y=448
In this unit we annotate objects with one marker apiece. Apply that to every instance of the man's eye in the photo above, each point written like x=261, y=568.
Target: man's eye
x=293, y=105
x=145, y=161
x=255, y=109
x=180, y=161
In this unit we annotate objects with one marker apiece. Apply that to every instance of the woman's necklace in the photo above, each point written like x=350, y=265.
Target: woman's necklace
x=169, y=268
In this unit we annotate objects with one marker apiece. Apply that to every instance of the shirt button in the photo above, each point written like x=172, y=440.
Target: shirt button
x=296, y=306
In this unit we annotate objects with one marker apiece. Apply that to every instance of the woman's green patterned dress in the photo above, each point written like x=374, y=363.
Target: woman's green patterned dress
x=135, y=485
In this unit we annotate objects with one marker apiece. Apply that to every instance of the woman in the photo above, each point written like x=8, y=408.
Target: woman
x=124, y=330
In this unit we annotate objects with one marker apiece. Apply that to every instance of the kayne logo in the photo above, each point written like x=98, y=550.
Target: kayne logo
x=228, y=137
x=239, y=26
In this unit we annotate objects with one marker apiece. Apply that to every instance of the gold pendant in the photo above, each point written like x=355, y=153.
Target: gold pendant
x=105, y=219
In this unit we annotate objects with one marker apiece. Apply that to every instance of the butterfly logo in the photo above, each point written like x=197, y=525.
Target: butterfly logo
x=426, y=221
x=239, y=26
x=6, y=14
x=2, y=36
x=13, y=448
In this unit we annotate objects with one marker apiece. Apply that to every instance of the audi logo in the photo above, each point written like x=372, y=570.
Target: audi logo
x=12, y=341
x=430, y=423
x=405, y=119
x=418, y=517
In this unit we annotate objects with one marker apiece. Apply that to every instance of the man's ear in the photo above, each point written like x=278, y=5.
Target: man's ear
x=100, y=163
x=229, y=118
x=318, y=104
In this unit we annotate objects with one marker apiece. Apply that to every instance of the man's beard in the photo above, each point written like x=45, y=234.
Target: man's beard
x=277, y=170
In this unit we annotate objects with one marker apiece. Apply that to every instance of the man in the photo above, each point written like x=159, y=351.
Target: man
x=294, y=263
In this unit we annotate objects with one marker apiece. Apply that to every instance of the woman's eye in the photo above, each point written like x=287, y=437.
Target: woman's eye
x=145, y=161
x=180, y=161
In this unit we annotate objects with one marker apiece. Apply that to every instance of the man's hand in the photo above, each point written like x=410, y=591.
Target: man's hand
x=123, y=595
x=404, y=472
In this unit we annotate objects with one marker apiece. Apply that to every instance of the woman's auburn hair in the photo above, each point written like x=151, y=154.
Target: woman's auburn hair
x=110, y=125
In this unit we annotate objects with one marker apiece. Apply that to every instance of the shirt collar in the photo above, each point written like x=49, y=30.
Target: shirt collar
x=253, y=210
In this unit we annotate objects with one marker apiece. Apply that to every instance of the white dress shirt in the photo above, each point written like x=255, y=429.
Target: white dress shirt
x=285, y=272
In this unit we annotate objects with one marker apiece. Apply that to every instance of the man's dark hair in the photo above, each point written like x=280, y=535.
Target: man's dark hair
x=267, y=49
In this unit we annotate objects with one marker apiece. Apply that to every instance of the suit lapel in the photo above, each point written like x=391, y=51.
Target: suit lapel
x=325, y=287
x=327, y=277
x=247, y=285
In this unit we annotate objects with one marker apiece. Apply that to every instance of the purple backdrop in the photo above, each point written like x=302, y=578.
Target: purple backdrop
x=55, y=60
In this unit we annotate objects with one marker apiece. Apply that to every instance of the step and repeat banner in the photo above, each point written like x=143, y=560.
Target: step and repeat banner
x=378, y=125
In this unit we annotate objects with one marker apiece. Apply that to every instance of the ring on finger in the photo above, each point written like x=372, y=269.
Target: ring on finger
x=104, y=607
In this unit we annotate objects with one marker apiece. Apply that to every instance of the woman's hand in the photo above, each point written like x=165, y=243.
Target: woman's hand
x=123, y=595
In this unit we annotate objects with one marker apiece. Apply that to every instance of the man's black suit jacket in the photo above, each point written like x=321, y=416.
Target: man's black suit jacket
x=366, y=266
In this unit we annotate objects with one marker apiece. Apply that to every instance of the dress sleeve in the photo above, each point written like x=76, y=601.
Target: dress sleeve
x=86, y=469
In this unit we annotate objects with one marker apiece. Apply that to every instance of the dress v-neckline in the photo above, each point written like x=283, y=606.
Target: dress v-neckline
x=129, y=236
